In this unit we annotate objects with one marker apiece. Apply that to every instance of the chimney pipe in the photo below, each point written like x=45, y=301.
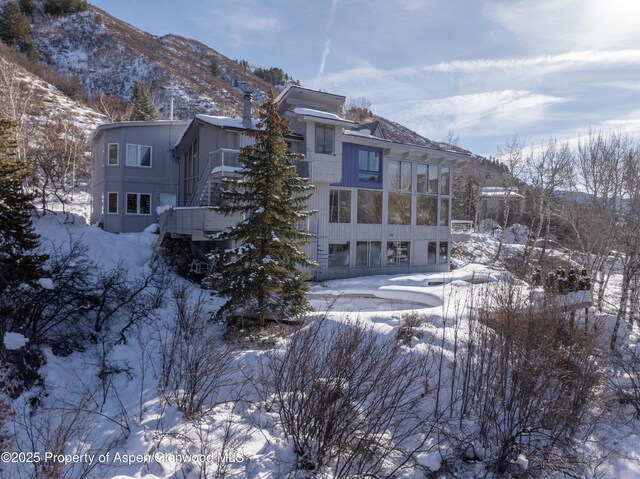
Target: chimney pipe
x=171, y=110
x=246, y=112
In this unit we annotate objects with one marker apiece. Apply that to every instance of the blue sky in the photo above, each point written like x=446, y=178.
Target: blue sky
x=486, y=69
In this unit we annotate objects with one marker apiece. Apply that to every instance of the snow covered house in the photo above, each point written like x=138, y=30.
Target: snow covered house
x=384, y=206
x=133, y=173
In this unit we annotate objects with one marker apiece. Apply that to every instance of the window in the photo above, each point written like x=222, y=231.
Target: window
x=339, y=255
x=325, y=139
x=112, y=203
x=369, y=167
x=444, y=211
x=399, y=176
x=138, y=204
x=139, y=155
x=432, y=250
x=444, y=180
x=113, y=154
x=368, y=253
x=427, y=210
x=427, y=176
x=399, y=209
x=397, y=253
x=340, y=206
x=370, y=207
x=444, y=252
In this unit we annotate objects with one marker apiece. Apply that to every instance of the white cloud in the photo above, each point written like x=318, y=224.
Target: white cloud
x=495, y=111
x=413, y=5
x=557, y=25
x=325, y=53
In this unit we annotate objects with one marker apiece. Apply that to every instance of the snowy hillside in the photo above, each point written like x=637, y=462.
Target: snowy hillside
x=108, y=56
x=123, y=405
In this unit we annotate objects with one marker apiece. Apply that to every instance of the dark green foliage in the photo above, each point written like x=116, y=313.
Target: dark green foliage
x=214, y=69
x=27, y=7
x=18, y=264
x=260, y=276
x=65, y=7
x=465, y=193
x=273, y=75
x=141, y=104
x=14, y=27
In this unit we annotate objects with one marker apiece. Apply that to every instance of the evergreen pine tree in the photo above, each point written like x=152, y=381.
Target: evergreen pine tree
x=260, y=276
x=141, y=104
x=14, y=27
x=17, y=238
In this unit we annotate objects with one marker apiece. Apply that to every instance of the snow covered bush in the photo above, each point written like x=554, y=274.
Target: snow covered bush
x=349, y=398
x=528, y=383
x=196, y=364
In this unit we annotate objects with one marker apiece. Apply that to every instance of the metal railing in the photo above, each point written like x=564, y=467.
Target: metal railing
x=221, y=162
x=461, y=226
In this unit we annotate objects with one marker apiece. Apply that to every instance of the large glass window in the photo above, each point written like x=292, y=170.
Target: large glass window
x=138, y=204
x=399, y=176
x=139, y=155
x=444, y=211
x=444, y=252
x=368, y=253
x=427, y=210
x=369, y=166
x=112, y=203
x=432, y=252
x=369, y=207
x=113, y=154
x=444, y=180
x=325, y=139
x=339, y=206
x=427, y=176
x=397, y=253
x=399, y=209
x=339, y=254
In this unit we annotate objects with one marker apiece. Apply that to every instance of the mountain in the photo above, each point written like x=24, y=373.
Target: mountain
x=109, y=56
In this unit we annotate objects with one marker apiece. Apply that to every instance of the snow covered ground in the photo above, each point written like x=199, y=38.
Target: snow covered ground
x=101, y=413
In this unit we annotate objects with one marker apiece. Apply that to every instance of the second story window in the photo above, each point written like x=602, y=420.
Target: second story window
x=113, y=154
x=139, y=155
x=325, y=139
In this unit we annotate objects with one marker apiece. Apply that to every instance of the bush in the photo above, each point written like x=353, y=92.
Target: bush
x=65, y=7
x=528, y=380
x=349, y=398
x=195, y=369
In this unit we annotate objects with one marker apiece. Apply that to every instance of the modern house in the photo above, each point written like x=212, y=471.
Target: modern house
x=492, y=203
x=133, y=173
x=384, y=207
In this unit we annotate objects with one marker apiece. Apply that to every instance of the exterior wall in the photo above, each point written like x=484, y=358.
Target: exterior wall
x=159, y=180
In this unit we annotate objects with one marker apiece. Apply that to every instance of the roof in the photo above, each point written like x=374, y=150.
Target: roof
x=499, y=192
x=128, y=124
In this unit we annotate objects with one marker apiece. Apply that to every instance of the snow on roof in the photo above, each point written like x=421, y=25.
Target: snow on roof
x=318, y=114
x=363, y=133
x=498, y=191
x=225, y=121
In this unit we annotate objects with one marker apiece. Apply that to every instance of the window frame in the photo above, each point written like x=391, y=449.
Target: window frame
x=404, y=219
x=321, y=148
x=397, y=254
x=369, y=174
x=109, y=193
x=138, y=204
x=347, y=249
x=139, y=156
x=372, y=192
x=448, y=253
x=368, y=253
x=117, y=150
x=338, y=206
